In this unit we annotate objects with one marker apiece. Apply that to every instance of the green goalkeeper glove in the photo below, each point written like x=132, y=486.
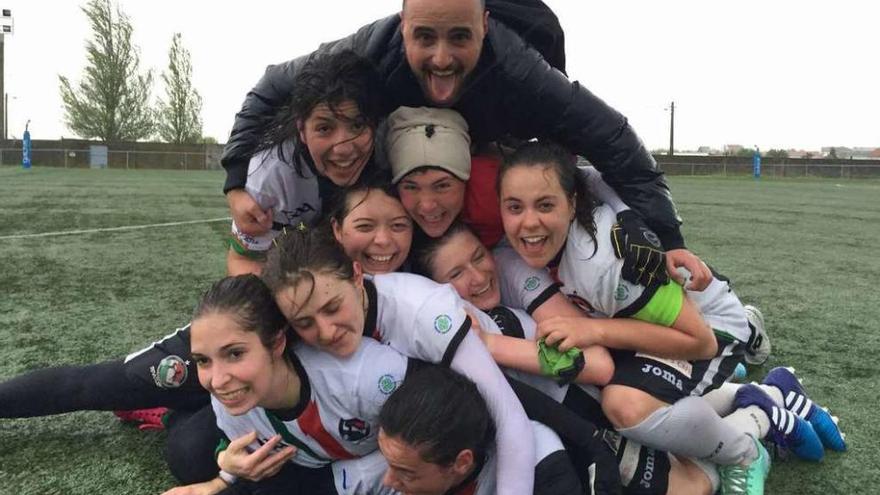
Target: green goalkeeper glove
x=562, y=366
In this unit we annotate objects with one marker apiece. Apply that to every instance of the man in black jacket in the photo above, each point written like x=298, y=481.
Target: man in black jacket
x=451, y=53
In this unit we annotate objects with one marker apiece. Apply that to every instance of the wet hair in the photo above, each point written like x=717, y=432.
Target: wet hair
x=340, y=204
x=248, y=300
x=299, y=254
x=329, y=78
x=440, y=413
x=564, y=164
x=424, y=251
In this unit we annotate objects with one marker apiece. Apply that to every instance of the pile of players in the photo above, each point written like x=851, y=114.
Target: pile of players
x=546, y=330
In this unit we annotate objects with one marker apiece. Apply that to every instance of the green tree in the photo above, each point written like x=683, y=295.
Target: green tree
x=179, y=117
x=832, y=153
x=111, y=101
x=745, y=152
x=780, y=153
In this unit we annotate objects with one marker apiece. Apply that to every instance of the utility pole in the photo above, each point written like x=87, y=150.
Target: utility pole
x=671, y=128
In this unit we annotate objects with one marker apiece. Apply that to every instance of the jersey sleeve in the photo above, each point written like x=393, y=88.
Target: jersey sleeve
x=439, y=326
x=267, y=189
x=516, y=462
x=522, y=286
x=382, y=369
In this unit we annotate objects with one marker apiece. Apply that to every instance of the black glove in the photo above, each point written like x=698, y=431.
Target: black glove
x=644, y=260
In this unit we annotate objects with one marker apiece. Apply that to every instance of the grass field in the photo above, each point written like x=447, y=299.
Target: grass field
x=803, y=250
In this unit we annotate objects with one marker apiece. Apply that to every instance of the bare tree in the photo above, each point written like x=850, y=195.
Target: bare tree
x=111, y=101
x=179, y=118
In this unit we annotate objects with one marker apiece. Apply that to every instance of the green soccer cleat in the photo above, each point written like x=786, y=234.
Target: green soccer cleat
x=746, y=480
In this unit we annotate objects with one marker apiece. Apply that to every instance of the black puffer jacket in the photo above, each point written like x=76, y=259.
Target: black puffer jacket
x=512, y=91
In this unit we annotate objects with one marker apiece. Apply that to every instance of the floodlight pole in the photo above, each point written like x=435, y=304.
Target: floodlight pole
x=3, y=110
x=7, y=26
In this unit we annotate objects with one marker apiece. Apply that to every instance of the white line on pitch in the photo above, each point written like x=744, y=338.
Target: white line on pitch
x=113, y=229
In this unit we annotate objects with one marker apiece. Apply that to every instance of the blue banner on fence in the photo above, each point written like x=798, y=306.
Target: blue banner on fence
x=26, y=150
x=756, y=164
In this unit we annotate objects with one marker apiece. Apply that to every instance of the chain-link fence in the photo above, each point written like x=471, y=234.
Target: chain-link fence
x=208, y=158
x=818, y=169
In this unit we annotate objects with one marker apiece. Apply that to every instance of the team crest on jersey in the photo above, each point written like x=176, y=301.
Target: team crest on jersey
x=387, y=384
x=621, y=293
x=442, y=323
x=532, y=283
x=171, y=372
x=354, y=429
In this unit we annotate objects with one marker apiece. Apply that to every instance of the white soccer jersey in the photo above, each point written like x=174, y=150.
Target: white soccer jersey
x=596, y=281
x=417, y=316
x=339, y=418
x=362, y=476
x=521, y=286
x=592, y=281
x=275, y=184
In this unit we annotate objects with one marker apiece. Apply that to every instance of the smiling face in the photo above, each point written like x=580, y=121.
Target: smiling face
x=536, y=212
x=410, y=474
x=443, y=41
x=328, y=314
x=465, y=263
x=235, y=366
x=339, y=143
x=433, y=198
x=376, y=232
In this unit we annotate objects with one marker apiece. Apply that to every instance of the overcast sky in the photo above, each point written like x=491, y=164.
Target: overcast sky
x=773, y=73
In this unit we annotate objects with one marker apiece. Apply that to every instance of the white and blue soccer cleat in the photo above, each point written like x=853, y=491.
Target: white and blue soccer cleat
x=797, y=401
x=786, y=428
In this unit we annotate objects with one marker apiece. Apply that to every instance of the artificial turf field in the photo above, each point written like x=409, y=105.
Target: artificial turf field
x=803, y=250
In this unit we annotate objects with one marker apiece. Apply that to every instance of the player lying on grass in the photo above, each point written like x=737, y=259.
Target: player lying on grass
x=663, y=361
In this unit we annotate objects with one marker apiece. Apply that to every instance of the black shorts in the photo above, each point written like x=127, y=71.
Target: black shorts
x=669, y=379
x=643, y=471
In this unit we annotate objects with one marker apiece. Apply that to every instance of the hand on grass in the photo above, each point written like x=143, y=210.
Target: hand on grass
x=247, y=214
x=565, y=332
x=259, y=464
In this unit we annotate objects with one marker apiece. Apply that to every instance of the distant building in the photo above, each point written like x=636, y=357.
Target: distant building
x=732, y=149
x=857, y=153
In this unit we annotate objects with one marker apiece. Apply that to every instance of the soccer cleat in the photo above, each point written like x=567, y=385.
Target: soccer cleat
x=758, y=348
x=797, y=401
x=146, y=419
x=786, y=428
x=746, y=480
